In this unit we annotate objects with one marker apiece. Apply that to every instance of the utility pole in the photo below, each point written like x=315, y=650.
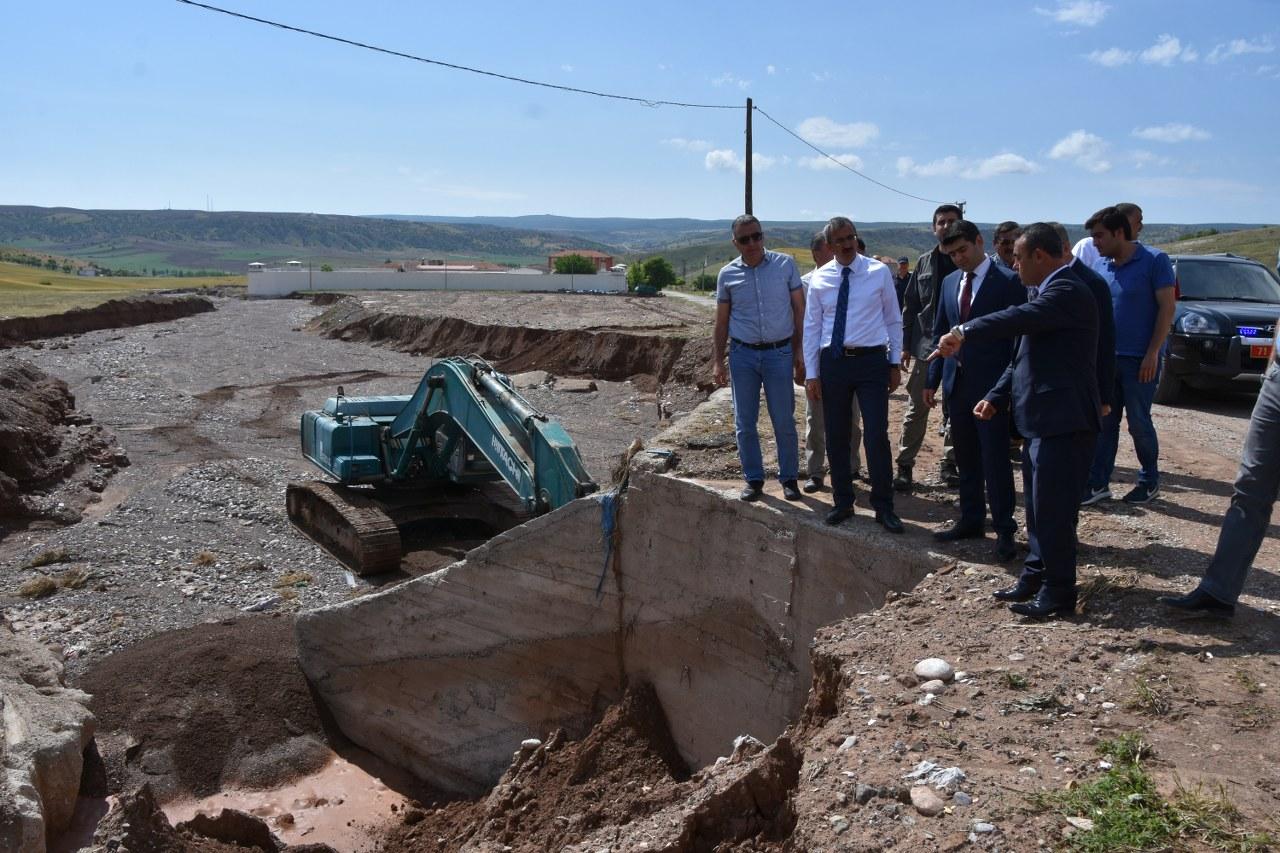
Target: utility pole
x=747, y=208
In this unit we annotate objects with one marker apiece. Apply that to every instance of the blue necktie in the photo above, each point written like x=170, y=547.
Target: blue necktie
x=842, y=309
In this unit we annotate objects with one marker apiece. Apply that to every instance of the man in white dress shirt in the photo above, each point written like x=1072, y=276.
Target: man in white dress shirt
x=852, y=352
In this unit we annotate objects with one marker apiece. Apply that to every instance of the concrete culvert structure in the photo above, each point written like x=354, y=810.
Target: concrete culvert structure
x=713, y=602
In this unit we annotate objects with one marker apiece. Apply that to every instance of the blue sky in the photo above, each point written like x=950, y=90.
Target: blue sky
x=1045, y=110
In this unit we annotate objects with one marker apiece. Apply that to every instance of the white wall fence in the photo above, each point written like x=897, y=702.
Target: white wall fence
x=272, y=283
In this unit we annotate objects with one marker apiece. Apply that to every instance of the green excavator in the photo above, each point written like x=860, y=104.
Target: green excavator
x=464, y=445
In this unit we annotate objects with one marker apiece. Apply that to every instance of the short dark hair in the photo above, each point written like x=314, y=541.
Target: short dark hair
x=744, y=219
x=946, y=208
x=1128, y=208
x=1007, y=226
x=819, y=240
x=1042, y=236
x=862, y=245
x=835, y=223
x=1111, y=219
x=961, y=229
x=1062, y=234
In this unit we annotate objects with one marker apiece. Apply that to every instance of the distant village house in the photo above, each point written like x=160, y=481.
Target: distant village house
x=602, y=261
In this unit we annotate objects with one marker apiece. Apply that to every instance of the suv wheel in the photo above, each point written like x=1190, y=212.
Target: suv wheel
x=1169, y=388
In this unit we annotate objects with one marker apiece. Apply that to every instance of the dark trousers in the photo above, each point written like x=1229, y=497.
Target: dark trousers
x=1053, y=475
x=864, y=379
x=1254, y=495
x=982, y=456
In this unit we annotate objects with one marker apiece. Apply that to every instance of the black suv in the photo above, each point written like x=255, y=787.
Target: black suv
x=1224, y=326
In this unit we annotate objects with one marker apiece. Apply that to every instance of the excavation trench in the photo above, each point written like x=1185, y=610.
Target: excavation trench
x=713, y=602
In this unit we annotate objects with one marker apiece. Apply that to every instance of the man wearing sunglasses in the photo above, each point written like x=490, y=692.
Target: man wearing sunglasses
x=759, y=305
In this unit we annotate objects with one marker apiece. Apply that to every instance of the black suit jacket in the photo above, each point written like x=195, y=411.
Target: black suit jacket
x=984, y=361
x=1052, y=382
x=1106, y=326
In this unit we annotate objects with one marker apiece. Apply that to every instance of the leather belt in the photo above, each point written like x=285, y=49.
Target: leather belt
x=864, y=350
x=770, y=345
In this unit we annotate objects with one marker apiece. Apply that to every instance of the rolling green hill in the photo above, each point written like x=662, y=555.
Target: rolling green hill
x=192, y=239
x=1261, y=244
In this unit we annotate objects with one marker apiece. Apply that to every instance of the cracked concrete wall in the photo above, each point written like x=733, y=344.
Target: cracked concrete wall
x=712, y=600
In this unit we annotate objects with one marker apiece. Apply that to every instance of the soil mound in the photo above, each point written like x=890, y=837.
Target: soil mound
x=44, y=441
x=196, y=710
x=558, y=792
x=112, y=314
x=672, y=355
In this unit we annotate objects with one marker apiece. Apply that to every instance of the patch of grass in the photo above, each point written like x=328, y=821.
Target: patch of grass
x=1128, y=812
x=41, y=586
x=1250, y=716
x=1246, y=681
x=48, y=558
x=1014, y=681
x=205, y=558
x=294, y=579
x=31, y=292
x=1149, y=698
x=74, y=579
x=1256, y=243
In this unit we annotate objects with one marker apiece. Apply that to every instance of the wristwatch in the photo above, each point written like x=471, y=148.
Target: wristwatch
x=958, y=330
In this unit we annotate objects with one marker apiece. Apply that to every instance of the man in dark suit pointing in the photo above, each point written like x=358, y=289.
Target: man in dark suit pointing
x=979, y=287
x=1052, y=386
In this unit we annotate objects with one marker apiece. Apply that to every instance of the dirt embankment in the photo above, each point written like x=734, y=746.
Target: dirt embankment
x=44, y=443
x=115, y=313
x=676, y=354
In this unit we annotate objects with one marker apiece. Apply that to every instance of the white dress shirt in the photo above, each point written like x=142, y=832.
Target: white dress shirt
x=872, y=318
x=978, y=275
x=1086, y=251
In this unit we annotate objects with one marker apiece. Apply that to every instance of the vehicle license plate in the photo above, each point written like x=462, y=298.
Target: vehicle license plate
x=1260, y=351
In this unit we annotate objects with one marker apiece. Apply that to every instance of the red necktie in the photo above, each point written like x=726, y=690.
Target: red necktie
x=966, y=296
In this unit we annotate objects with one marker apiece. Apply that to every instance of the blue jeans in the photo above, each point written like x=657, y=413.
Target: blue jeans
x=1256, y=487
x=749, y=370
x=1132, y=399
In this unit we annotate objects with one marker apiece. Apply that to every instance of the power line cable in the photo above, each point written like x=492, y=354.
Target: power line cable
x=648, y=102
x=841, y=164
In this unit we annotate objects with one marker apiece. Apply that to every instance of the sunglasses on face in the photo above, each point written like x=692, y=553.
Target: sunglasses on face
x=747, y=239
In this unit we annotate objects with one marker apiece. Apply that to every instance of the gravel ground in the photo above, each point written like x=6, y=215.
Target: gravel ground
x=195, y=529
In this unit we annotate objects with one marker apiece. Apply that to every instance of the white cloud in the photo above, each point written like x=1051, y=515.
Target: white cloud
x=727, y=160
x=1142, y=159
x=1166, y=49
x=687, y=144
x=566, y=67
x=853, y=161
x=820, y=76
x=770, y=70
x=1000, y=164
x=971, y=170
x=1084, y=13
x=1239, y=47
x=1112, y=57
x=727, y=79
x=825, y=133
x=1172, y=132
x=1084, y=149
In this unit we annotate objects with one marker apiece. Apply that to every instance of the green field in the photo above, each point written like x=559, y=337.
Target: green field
x=1260, y=244
x=29, y=291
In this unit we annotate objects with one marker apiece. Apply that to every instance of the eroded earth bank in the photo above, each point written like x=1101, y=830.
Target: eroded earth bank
x=667, y=669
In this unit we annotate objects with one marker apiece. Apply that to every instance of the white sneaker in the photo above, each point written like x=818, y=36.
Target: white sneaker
x=1093, y=496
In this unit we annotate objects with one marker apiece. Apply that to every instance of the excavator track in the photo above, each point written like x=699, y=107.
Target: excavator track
x=347, y=524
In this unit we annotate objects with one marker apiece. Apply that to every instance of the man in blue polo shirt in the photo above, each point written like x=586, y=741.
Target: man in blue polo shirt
x=759, y=307
x=1141, y=281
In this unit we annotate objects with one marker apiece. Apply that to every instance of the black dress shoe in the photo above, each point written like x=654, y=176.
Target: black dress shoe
x=838, y=514
x=1047, y=603
x=1023, y=590
x=1200, y=603
x=903, y=482
x=959, y=531
x=790, y=490
x=889, y=521
x=752, y=491
x=1006, y=548
x=813, y=484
